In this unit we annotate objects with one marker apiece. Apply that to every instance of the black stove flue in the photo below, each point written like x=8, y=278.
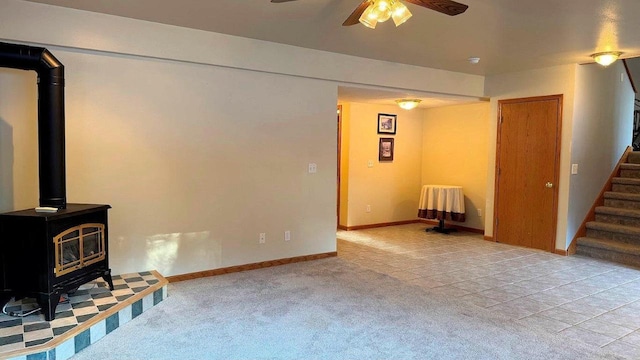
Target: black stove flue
x=51, y=140
x=46, y=254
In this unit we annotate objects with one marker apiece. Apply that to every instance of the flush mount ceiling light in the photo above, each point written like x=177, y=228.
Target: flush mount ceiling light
x=474, y=60
x=383, y=10
x=606, y=58
x=408, y=104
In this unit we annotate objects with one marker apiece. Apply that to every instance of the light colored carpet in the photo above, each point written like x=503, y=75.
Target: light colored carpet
x=326, y=309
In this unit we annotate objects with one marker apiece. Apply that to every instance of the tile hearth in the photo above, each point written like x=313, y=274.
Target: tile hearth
x=89, y=314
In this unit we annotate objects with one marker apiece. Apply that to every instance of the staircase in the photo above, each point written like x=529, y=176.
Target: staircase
x=615, y=233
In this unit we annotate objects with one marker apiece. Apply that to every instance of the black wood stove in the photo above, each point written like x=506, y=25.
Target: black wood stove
x=48, y=254
x=57, y=247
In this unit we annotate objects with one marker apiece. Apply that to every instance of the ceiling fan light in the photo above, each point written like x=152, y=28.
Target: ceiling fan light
x=606, y=58
x=408, y=104
x=400, y=13
x=386, y=15
x=369, y=18
x=383, y=13
x=382, y=5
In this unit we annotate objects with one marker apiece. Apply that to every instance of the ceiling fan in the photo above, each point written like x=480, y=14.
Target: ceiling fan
x=447, y=7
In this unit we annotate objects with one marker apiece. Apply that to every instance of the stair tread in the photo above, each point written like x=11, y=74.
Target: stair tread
x=608, y=210
x=630, y=166
x=621, y=229
x=610, y=245
x=625, y=181
x=621, y=195
x=634, y=157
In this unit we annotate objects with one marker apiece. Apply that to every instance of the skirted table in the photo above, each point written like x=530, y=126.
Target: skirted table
x=442, y=202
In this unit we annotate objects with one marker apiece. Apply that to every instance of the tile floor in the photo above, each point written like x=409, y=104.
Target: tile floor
x=584, y=299
x=87, y=302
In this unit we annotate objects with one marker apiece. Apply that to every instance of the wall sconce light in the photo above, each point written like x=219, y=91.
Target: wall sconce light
x=383, y=10
x=606, y=58
x=408, y=104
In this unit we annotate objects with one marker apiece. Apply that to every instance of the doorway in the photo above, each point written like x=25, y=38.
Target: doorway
x=527, y=171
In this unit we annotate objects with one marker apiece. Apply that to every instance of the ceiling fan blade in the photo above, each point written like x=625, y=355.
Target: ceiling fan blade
x=448, y=7
x=280, y=1
x=354, y=18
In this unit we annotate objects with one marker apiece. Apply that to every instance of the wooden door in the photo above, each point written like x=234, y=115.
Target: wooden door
x=527, y=171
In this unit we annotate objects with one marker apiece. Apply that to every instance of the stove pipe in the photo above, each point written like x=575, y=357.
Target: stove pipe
x=51, y=141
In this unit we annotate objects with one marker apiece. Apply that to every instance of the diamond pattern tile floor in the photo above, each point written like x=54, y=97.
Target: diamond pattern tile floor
x=87, y=302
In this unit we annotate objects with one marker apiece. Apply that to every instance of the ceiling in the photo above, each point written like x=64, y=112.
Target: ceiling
x=507, y=35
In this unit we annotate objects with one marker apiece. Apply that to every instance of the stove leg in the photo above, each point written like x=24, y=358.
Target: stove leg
x=107, y=277
x=48, y=304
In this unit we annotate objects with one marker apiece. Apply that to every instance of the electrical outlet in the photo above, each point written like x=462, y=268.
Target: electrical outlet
x=287, y=235
x=313, y=168
x=368, y=208
x=263, y=238
x=370, y=163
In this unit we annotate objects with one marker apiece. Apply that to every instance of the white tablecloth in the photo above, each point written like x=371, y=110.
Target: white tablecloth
x=442, y=202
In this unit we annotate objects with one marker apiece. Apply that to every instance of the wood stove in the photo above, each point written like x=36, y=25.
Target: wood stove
x=49, y=254
x=45, y=254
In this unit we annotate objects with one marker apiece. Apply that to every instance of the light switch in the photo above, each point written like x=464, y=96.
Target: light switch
x=574, y=169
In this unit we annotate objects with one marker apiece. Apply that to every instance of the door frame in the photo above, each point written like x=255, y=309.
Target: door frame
x=339, y=165
x=556, y=171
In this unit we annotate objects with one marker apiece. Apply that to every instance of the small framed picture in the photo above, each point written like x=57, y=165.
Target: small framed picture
x=387, y=124
x=385, y=149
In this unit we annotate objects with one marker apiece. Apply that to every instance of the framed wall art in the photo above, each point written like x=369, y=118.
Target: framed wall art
x=387, y=124
x=385, y=149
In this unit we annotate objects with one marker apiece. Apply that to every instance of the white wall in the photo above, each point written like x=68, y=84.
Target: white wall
x=198, y=140
x=195, y=160
x=539, y=82
x=602, y=130
x=392, y=189
x=454, y=152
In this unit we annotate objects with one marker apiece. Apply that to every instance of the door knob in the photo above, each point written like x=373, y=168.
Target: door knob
x=549, y=185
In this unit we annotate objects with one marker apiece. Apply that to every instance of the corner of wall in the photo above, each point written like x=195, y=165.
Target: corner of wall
x=345, y=146
x=455, y=143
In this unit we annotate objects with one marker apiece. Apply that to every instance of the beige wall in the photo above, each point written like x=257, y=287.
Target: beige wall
x=193, y=171
x=539, y=82
x=604, y=104
x=198, y=140
x=596, y=128
x=392, y=189
x=204, y=139
x=455, y=146
x=15, y=86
